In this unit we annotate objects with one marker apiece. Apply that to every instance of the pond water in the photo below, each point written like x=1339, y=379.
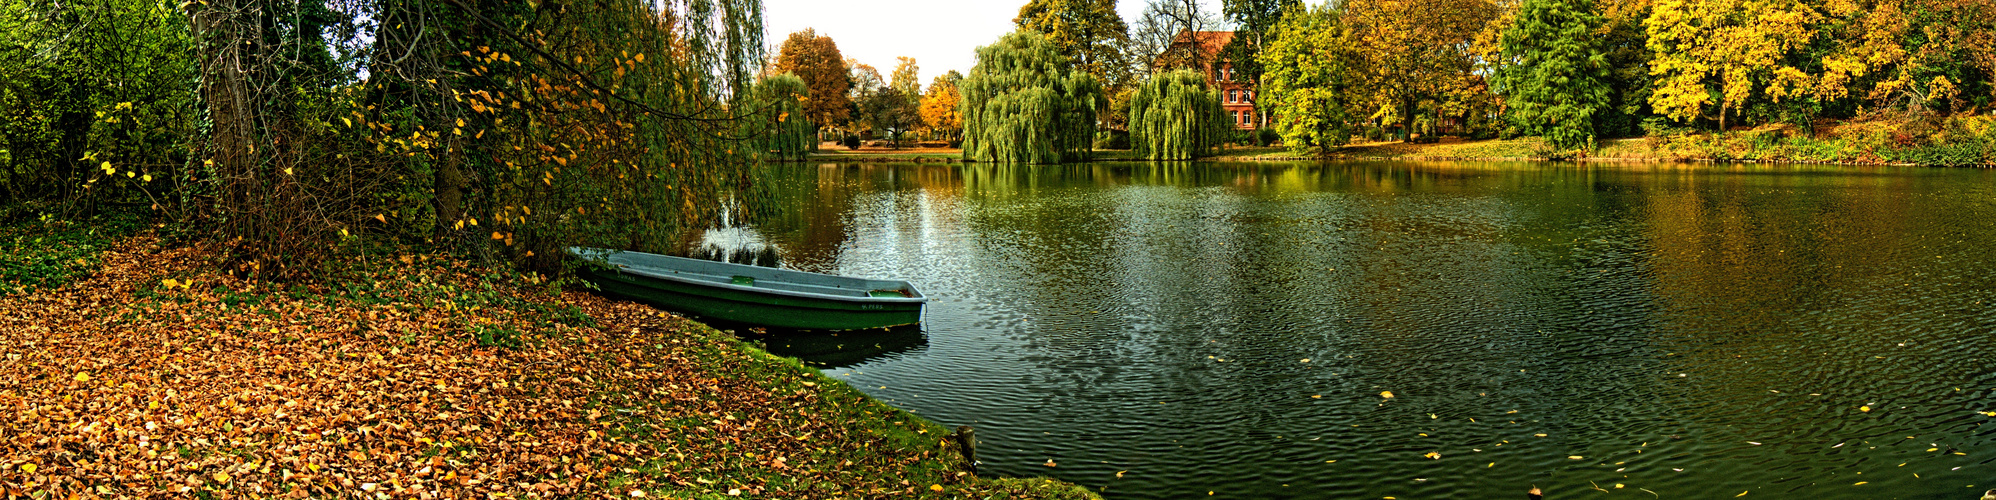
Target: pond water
x=1687, y=331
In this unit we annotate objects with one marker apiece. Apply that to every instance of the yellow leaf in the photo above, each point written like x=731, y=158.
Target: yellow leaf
x=129, y=174
x=221, y=477
x=1864, y=408
x=1386, y=394
x=935, y=487
x=153, y=405
x=460, y=122
x=169, y=282
x=1050, y=463
x=1574, y=457
x=1433, y=455
x=497, y=236
x=28, y=468
x=379, y=217
x=287, y=170
x=147, y=178
x=1743, y=493
x=343, y=232
x=639, y=58
x=1860, y=483
x=82, y=376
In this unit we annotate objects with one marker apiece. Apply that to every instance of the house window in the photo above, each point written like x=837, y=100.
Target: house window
x=1231, y=96
x=1237, y=117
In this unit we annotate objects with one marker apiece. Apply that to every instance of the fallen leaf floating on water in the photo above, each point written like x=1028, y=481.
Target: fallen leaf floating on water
x=1743, y=493
x=1433, y=455
x=1386, y=394
x=1864, y=408
x=1574, y=457
x=1050, y=463
x=1119, y=474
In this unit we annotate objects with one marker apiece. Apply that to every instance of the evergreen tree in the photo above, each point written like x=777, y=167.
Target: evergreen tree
x=1177, y=116
x=1557, y=74
x=1025, y=103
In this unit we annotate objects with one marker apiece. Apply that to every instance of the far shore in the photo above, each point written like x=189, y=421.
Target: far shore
x=1737, y=147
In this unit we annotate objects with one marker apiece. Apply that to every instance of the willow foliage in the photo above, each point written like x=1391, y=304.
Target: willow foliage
x=786, y=131
x=1025, y=103
x=289, y=129
x=1177, y=116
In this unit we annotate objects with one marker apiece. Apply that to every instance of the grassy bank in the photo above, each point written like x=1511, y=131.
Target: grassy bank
x=144, y=371
x=1955, y=141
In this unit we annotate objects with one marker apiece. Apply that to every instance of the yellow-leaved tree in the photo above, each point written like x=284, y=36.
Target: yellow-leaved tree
x=1724, y=52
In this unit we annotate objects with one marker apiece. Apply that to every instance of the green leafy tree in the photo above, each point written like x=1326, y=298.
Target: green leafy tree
x=1026, y=103
x=1089, y=33
x=1256, y=20
x=787, y=132
x=1306, y=87
x=1556, y=74
x=1177, y=116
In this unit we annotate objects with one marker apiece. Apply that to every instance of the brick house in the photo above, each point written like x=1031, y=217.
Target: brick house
x=1236, y=93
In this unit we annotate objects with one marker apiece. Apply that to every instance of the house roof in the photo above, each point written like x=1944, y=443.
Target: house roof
x=1210, y=42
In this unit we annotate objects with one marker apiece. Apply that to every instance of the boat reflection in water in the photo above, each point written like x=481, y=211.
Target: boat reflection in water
x=832, y=350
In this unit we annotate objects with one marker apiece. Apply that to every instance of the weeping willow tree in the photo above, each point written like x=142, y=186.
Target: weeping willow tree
x=1025, y=103
x=785, y=131
x=1177, y=116
x=508, y=129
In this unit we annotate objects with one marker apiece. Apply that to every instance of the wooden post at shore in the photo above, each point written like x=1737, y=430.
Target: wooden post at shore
x=966, y=440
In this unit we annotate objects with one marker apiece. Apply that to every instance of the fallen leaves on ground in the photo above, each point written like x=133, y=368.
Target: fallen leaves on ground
x=156, y=376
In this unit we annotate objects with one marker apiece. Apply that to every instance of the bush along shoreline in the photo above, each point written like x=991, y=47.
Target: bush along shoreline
x=145, y=370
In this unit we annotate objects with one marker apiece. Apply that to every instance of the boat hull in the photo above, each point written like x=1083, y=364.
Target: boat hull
x=748, y=305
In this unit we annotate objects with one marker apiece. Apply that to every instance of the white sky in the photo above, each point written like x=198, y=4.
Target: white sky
x=941, y=35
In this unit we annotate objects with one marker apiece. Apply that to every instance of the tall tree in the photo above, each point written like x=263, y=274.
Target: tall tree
x=1714, y=56
x=1306, y=86
x=816, y=59
x=1026, y=103
x=940, y=107
x=786, y=132
x=1088, y=32
x=1412, y=56
x=1177, y=116
x=1255, y=20
x=1162, y=40
x=1556, y=74
x=907, y=77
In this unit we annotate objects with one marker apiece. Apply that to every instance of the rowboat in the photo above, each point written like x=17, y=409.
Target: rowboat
x=752, y=295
